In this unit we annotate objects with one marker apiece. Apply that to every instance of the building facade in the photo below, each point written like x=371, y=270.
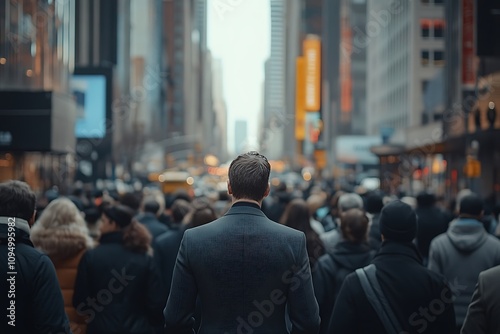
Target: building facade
x=37, y=113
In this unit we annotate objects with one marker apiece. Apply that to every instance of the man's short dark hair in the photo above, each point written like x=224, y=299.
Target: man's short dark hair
x=249, y=176
x=354, y=225
x=17, y=200
x=131, y=200
x=180, y=209
x=471, y=205
x=151, y=206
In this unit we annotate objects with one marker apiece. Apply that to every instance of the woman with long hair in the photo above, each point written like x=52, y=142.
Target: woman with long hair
x=62, y=234
x=117, y=285
x=298, y=216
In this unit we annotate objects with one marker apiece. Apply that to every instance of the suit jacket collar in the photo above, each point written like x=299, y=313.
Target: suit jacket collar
x=245, y=210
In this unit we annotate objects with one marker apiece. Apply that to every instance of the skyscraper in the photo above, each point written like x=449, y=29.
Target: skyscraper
x=240, y=136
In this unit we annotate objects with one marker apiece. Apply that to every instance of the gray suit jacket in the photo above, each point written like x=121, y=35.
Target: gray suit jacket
x=483, y=315
x=248, y=271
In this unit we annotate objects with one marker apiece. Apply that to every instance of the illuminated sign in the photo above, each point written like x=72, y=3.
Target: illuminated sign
x=312, y=55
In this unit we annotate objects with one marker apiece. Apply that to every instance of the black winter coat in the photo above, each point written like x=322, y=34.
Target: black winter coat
x=39, y=305
x=330, y=272
x=118, y=289
x=420, y=298
x=431, y=223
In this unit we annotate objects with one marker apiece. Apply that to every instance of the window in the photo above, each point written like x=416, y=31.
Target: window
x=438, y=28
x=438, y=58
x=424, y=85
x=425, y=28
x=425, y=57
x=439, y=2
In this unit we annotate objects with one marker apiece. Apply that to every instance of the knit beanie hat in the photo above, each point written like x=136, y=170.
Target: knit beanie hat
x=398, y=222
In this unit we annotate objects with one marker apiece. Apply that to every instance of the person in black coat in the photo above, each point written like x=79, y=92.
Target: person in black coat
x=117, y=286
x=31, y=299
x=431, y=223
x=247, y=271
x=348, y=255
x=374, y=204
x=420, y=299
x=166, y=246
x=149, y=218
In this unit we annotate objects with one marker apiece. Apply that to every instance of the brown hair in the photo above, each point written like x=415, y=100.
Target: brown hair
x=298, y=217
x=201, y=213
x=136, y=237
x=249, y=176
x=354, y=225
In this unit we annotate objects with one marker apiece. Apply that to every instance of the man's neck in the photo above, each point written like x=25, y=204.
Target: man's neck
x=247, y=200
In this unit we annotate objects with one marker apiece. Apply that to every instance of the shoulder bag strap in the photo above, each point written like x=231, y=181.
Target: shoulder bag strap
x=377, y=299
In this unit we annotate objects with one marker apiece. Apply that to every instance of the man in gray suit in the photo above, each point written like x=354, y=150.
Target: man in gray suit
x=483, y=316
x=247, y=271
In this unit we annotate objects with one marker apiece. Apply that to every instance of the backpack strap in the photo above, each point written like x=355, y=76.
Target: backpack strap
x=377, y=299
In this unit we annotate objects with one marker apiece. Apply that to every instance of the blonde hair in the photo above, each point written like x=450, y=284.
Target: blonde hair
x=61, y=229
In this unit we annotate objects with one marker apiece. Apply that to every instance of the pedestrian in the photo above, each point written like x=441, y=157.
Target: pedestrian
x=420, y=299
x=31, y=296
x=346, y=202
x=483, y=315
x=247, y=271
x=62, y=234
x=465, y=250
x=298, y=216
x=117, y=286
x=149, y=217
x=348, y=255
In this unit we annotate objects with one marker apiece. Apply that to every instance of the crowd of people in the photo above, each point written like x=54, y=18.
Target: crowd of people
x=267, y=261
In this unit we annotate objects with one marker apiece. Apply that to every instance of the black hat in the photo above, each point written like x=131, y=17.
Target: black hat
x=398, y=222
x=122, y=215
x=471, y=205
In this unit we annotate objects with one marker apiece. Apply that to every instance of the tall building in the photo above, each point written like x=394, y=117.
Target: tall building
x=277, y=136
x=274, y=109
x=240, y=136
x=37, y=112
x=405, y=51
x=471, y=122
x=220, y=109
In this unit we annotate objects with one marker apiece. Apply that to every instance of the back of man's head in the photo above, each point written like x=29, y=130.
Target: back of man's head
x=354, y=225
x=398, y=222
x=249, y=176
x=180, y=209
x=16, y=200
x=471, y=205
x=350, y=201
x=151, y=206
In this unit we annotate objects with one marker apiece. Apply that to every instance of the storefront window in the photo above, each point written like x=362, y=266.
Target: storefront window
x=36, y=48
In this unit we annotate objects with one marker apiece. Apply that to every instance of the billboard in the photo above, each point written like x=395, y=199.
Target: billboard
x=300, y=112
x=89, y=92
x=312, y=56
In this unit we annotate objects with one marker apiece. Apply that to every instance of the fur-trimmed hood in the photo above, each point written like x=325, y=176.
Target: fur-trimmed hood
x=61, y=242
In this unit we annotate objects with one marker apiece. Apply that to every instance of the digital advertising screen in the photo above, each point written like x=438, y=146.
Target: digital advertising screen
x=89, y=92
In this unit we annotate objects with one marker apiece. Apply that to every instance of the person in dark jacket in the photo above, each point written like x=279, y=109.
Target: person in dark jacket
x=483, y=315
x=374, y=205
x=247, y=271
x=166, y=246
x=149, y=218
x=117, y=286
x=297, y=215
x=31, y=300
x=420, y=299
x=348, y=255
x=464, y=251
x=431, y=223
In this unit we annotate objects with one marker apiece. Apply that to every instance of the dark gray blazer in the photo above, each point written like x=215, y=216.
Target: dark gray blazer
x=248, y=271
x=483, y=316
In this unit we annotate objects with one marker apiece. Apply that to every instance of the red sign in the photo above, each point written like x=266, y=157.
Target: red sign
x=468, y=75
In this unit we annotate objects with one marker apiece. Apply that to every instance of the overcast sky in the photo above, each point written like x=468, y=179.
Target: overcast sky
x=239, y=35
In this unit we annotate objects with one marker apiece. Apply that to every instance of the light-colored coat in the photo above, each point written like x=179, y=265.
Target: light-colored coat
x=64, y=243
